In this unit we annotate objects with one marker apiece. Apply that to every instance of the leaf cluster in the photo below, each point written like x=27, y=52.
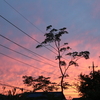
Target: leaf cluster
x=65, y=85
x=40, y=83
x=53, y=35
x=84, y=54
x=90, y=85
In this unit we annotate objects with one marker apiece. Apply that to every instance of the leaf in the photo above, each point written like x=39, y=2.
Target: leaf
x=75, y=54
x=68, y=47
x=21, y=89
x=60, y=77
x=65, y=85
x=58, y=57
x=84, y=54
x=49, y=38
x=62, y=29
x=3, y=87
x=38, y=46
x=48, y=27
x=69, y=54
x=65, y=43
x=73, y=63
x=44, y=42
x=62, y=63
x=63, y=49
x=66, y=75
x=65, y=32
x=57, y=37
x=53, y=30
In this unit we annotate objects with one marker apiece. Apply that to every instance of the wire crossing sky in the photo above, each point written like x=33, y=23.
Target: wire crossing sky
x=80, y=17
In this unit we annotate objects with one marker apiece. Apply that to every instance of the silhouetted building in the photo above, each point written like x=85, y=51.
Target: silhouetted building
x=43, y=96
x=3, y=97
x=35, y=96
x=76, y=99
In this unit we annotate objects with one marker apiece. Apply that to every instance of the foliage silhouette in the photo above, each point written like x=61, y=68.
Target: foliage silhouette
x=89, y=85
x=54, y=36
x=40, y=83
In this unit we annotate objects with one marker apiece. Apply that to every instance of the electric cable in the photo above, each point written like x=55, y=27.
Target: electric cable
x=25, y=63
x=29, y=35
x=26, y=48
x=22, y=16
x=25, y=33
x=26, y=55
x=25, y=19
x=13, y=86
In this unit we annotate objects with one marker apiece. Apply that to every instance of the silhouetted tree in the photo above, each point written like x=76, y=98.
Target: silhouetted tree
x=89, y=85
x=40, y=83
x=54, y=36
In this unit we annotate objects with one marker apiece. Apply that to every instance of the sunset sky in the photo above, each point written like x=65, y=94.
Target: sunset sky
x=80, y=17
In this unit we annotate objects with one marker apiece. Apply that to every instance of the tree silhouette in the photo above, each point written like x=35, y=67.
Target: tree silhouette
x=89, y=85
x=40, y=83
x=54, y=36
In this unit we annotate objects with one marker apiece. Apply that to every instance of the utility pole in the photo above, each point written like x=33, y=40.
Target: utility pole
x=93, y=68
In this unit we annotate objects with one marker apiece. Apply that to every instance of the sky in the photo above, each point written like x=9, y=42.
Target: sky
x=31, y=17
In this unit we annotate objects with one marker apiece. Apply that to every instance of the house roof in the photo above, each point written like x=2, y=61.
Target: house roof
x=36, y=96
x=2, y=97
x=76, y=99
x=44, y=95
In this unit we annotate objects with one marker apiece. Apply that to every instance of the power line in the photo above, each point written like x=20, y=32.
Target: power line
x=25, y=33
x=26, y=55
x=29, y=35
x=14, y=87
x=24, y=63
x=22, y=16
x=19, y=29
x=33, y=25
x=25, y=19
x=25, y=48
